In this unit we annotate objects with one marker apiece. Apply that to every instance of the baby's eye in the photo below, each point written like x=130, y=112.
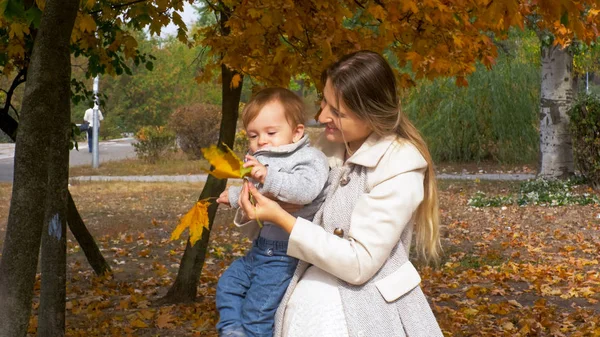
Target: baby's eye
x=271, y=133
x=251, y=136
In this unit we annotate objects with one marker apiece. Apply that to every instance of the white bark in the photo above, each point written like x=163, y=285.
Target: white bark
x=556, y=152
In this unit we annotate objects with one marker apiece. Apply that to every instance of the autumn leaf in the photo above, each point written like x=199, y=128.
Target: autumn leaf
x=196, y=219
x=226, y=164
x=235, y=81
x=138, y=324
x=165, y=321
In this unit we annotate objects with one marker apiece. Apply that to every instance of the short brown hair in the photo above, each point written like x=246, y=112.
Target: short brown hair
x=293, y=106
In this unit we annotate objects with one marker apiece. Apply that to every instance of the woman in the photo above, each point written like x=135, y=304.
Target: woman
x=354, y=278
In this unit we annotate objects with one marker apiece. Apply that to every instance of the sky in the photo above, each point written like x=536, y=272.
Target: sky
x=188, y=15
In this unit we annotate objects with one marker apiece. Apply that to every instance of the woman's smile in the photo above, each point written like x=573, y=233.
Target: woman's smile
x=330, y=128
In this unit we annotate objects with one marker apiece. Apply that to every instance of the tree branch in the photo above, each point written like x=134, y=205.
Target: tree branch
x=119, y=6
x=20, y=78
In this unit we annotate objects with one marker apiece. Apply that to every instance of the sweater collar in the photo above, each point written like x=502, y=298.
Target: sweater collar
x=288, y=148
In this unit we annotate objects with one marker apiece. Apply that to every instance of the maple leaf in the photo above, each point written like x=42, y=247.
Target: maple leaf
x=196, y=219
x=226, y=164
x=235, y=81
x=165, y=321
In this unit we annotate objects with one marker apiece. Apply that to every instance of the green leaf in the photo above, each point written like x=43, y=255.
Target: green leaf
x=149, y=66
x=14, y=9
x=34, y=16
x=564, y=19
x=3, y=4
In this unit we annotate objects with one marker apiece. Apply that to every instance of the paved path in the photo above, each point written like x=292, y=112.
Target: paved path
x=121, y=148
x=115, y=149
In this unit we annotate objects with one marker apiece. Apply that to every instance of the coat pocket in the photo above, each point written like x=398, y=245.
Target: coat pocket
x=399, y=282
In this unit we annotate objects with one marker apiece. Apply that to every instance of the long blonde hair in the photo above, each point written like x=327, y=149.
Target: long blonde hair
x=366, y=84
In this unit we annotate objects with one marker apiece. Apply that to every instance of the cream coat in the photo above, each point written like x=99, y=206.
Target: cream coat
x=378, y=202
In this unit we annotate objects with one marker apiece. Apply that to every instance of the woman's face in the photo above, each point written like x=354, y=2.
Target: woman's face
x=338, y=119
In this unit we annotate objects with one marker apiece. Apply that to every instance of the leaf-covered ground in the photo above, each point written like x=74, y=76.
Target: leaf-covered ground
x=506, y=271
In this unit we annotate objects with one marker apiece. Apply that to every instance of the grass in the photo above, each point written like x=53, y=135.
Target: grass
x=177, y=165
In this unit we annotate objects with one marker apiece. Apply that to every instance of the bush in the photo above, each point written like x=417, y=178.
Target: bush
x=540, y=192
x=154, y=142
x=196, y=126
x=585, y=130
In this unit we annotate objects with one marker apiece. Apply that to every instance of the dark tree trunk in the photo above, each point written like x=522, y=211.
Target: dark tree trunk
x=74, y=220
x=46, y=97
x=85, y=239
x=186, y=284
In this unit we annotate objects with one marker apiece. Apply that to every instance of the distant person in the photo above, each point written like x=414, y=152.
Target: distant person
x=89, y=119
x=285, y=167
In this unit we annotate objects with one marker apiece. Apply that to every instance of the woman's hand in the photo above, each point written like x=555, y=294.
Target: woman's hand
x=259, y=171
x=264, y=209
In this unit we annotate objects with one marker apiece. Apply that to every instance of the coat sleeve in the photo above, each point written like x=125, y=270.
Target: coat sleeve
x=302, y=184
x=377, y=223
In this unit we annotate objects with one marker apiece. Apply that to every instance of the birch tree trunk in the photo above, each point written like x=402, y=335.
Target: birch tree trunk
x=557, y=93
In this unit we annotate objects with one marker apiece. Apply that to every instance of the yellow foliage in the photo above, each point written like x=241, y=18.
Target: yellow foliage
x=226, y=164
x=196, y=219
x=235, y=81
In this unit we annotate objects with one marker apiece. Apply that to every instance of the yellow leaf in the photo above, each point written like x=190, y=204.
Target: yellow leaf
x=235, y=81
x=18, y=30
x=196, y=219
x=225, y=163
x=139, y=324
x=87, y=23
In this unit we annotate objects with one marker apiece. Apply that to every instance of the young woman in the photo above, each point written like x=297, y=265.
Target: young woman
x=354, y=278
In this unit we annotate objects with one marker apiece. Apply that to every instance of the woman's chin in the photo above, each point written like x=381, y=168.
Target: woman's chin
x=334, y=137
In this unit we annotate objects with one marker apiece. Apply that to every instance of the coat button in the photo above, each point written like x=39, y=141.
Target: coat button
x=344, y=180
x=339, y=232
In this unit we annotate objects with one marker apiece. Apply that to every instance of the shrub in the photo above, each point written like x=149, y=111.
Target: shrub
x=196, y=126
x=540, y=192
x=154, y=142
x=585, y=130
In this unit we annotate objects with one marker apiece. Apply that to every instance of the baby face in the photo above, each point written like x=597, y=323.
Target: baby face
x=271, y=128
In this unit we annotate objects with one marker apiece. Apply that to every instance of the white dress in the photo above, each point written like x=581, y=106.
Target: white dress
x=315, y=307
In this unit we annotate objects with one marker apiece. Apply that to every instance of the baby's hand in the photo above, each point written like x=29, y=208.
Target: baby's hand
x=259, y=171
x=224, y=198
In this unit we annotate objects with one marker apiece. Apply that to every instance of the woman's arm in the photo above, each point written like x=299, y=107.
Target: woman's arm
x=377, y=223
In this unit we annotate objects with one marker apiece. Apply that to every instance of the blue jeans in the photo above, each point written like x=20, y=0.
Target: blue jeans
x=249, y=291
x=90, y=133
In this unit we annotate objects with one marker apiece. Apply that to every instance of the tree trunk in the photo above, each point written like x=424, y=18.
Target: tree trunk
x=74, y=220
x=52, y=43
x=186, y=284
x=556, y=153
x=85, y=239
x=46, y=95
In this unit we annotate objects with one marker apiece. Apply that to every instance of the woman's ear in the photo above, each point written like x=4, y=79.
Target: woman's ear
x=298, y=132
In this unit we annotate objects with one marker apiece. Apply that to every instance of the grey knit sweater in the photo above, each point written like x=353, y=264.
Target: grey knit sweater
x=297, y=174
